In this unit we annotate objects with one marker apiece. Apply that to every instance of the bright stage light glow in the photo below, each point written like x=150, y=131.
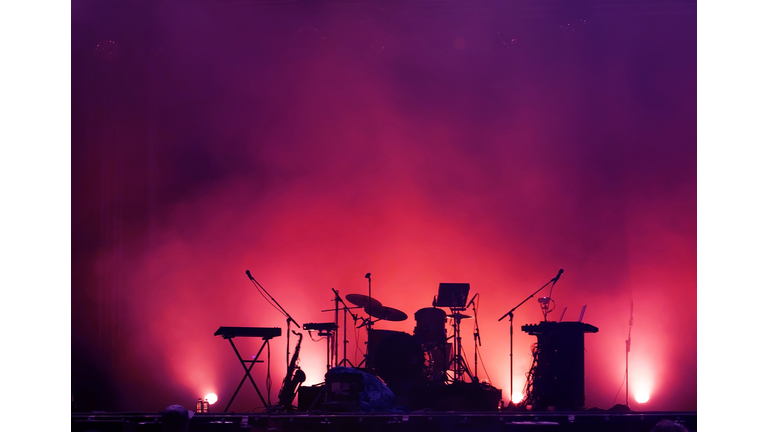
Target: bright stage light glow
x=517, y=397
x=642, y=397
x=212, y=398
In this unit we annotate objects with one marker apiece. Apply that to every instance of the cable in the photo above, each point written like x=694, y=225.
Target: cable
x=531, y=375
x=620, y=387
x=479, y=354
x=309, y=332
x=268, y=299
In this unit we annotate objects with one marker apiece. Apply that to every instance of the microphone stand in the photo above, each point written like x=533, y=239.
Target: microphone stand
x=626, y=364
x=476, y=379
x=335, y=355
x=368, y=325
x=288, y=319
x=511, y=332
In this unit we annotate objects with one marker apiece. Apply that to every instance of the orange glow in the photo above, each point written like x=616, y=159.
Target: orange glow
x=402, y=189
x=212, y=398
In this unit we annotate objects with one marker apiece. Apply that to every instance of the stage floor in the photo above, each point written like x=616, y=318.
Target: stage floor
x=595, y=420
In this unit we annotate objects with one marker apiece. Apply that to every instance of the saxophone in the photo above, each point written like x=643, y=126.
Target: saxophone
x=293, y=378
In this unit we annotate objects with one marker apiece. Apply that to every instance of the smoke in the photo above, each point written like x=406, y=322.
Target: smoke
x=311, y=152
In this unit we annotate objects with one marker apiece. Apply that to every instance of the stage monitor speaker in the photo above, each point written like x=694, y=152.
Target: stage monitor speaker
x=309, y=395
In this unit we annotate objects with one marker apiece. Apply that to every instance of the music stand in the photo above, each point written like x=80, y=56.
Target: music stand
x=452, y=295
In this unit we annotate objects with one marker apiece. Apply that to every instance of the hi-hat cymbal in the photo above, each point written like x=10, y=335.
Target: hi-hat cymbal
x=363, y=301
x=387, y=313
x=459, y=316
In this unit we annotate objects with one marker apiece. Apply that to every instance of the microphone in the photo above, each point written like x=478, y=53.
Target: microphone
x=367, y=275
x=556, y=278
x=473, y=300
x=248, y=272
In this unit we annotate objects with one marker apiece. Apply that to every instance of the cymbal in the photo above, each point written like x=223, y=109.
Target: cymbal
x=362, y=301
x=459, y=316
x=387, y=313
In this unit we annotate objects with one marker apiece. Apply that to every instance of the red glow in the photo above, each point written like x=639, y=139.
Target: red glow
x=432, y=163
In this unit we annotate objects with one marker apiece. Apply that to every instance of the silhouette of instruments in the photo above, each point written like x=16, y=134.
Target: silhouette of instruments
x=327, y=331
x=320, y=326
x=262, y=332
x=376, y=309
x=362, y=301
x=387, y=314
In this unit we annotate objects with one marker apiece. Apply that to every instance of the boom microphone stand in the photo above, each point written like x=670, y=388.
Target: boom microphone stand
x=629, y=341
x=476, y=379
x=287, y=316
x=511, y=332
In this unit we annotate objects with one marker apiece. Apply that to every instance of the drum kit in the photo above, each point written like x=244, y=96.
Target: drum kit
x=429, y=353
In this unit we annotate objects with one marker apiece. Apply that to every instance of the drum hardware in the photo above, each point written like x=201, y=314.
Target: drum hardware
x=458, y=364
x=374, y=309
x=438, y=356
x=367, y=303
x=387, y=314
x=368, y=325
x=363, y=301
x=454, y=297
x=354, y=299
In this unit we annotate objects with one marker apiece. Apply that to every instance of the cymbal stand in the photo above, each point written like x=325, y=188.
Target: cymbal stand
x=457, y=362
x=368, y=325
x=335, y=356
x=338, y=299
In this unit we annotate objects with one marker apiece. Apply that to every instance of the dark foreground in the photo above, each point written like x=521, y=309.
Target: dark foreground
x=600, y=421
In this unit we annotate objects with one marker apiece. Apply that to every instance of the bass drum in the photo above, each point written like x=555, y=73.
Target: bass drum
x=374, y=340
x=397, y=357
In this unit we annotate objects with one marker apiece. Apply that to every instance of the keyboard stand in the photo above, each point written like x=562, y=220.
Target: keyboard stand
x=247, y=370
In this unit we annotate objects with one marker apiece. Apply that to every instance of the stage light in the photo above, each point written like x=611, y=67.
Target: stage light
x=212, y=398
x=517, y=397
x=642, y=397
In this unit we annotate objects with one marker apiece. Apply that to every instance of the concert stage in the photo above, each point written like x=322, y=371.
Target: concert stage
x=597, y=420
